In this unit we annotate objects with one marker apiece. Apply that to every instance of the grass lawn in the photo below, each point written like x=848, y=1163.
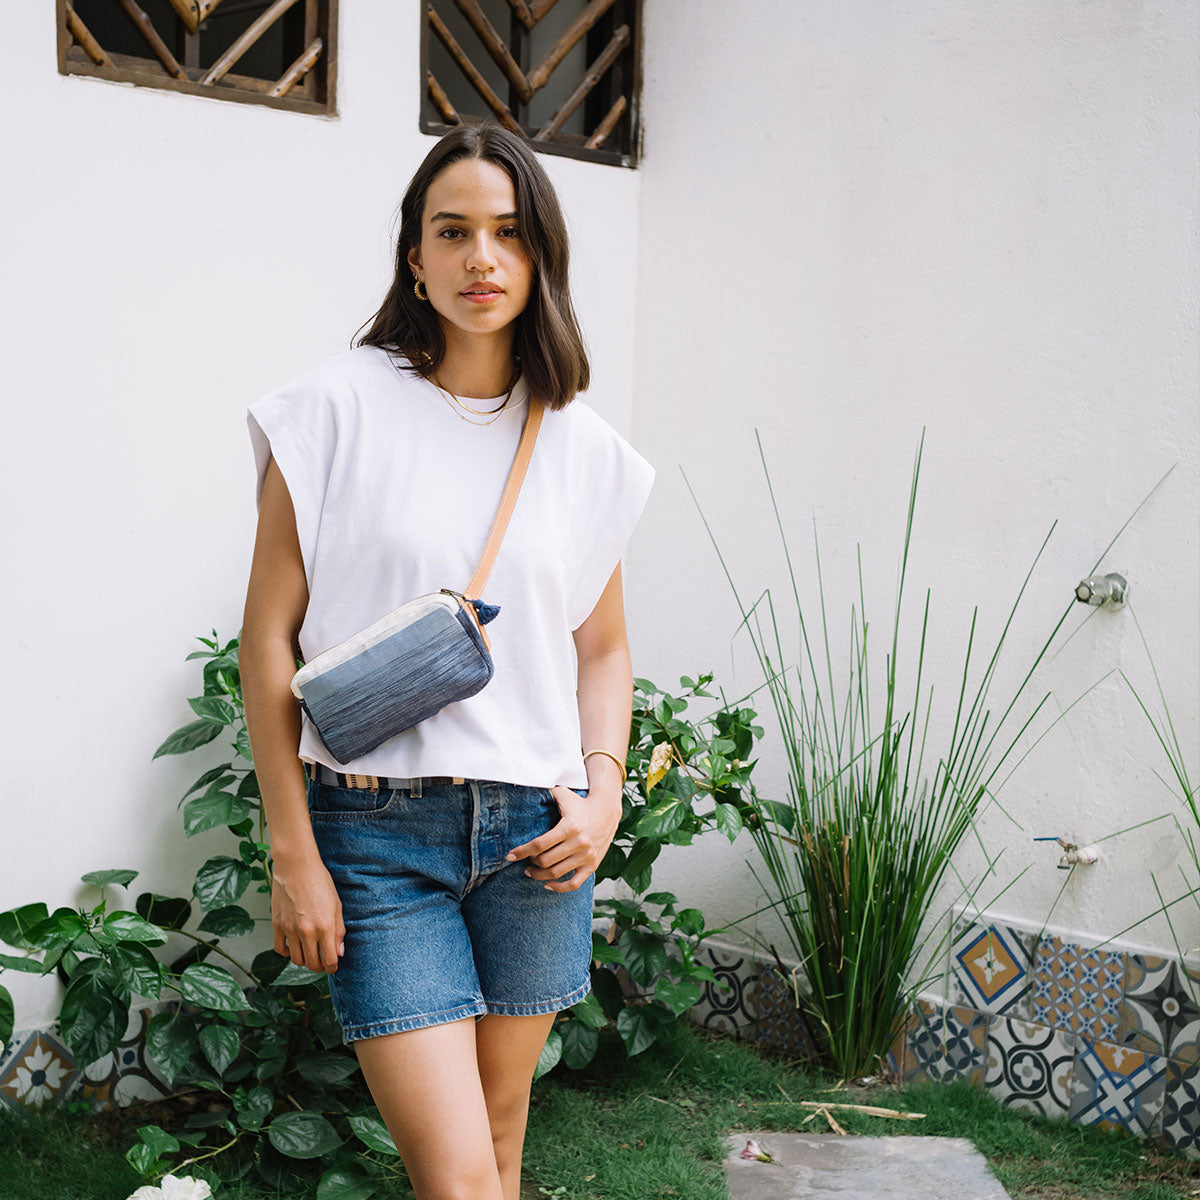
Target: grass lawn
x=654, y=1127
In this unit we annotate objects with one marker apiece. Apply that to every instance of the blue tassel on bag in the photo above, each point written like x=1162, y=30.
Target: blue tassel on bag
x=486, y=612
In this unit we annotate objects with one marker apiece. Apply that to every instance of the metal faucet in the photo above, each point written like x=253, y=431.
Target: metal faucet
x=1098, y=590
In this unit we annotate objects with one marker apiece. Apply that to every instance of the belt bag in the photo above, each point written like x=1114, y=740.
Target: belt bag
x=418, y=658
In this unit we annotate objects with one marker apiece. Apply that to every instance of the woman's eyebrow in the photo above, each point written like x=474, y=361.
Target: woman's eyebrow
x=450, y=216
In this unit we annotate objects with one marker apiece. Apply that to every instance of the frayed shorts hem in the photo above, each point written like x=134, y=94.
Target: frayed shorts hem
x=479, y=1008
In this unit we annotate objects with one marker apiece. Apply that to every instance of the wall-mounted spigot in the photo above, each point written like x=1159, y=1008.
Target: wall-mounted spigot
x=1098, y=590
x=1073, y=854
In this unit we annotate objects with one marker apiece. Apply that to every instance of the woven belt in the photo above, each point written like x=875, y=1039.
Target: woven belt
x=377, y=783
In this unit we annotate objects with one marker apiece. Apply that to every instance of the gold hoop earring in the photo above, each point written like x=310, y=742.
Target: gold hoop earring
x=417, y=290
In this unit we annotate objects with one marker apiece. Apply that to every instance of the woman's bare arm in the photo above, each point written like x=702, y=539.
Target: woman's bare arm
x=306, y=913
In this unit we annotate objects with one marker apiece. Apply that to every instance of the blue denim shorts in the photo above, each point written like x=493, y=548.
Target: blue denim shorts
x=438, y=926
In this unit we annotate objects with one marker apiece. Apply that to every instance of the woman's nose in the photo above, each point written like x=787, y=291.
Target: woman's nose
x=483, y=253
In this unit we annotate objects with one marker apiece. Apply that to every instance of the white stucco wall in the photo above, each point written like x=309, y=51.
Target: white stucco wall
x=169, y=259
x=850, y=222
x=860, y=220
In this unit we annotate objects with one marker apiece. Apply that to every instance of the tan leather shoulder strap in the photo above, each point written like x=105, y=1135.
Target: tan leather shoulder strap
x=516, y=476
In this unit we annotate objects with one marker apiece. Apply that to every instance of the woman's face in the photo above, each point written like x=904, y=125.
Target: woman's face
x=472, y=258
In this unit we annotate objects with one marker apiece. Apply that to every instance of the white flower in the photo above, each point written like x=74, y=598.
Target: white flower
x=39, y=1076
x=175, y=1188
x=186, y=1188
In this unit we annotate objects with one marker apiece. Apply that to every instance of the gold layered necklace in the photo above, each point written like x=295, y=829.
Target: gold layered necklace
x=492, y=414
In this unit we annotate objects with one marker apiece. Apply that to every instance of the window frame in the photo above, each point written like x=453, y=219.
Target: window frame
x=620, y=78
x=149, y=71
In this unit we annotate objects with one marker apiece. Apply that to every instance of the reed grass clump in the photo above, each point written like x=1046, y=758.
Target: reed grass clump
x=857, y=854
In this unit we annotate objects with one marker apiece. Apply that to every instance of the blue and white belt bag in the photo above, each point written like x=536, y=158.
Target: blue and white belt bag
x=411, y=663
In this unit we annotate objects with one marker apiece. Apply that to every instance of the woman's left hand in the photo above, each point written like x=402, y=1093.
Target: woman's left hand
x=578, y=842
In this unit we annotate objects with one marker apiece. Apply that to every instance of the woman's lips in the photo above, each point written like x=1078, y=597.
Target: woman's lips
x=481, y=297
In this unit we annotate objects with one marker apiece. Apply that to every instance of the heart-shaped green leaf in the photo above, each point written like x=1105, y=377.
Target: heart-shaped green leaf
x=102, y=878
x=92, y=1018
x=551, y=1053
x=129, y=927
x=213, y=810
x=221, y=881
x=136, y=969
x=303, y=1135
x=345, y=1183
x=579, y=1044
x=170, y=1038
x=212, y=987
x=220, y=1045
x=373, y=1133
x=189, y=737
x=325, y=1067
x=230, y=921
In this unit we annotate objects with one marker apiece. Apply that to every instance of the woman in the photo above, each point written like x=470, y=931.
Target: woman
x=444, y=879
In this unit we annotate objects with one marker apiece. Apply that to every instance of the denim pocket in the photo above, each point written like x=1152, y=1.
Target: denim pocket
x=550, y=794
x=326, y=800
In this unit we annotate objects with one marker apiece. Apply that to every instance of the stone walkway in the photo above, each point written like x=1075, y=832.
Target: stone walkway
x=808, y=1166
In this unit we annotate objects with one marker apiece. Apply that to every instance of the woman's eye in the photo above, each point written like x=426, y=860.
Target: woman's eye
x=510, y=231
x=450, y=234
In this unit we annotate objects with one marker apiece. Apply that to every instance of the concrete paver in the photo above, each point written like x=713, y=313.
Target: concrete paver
x=809, y=1166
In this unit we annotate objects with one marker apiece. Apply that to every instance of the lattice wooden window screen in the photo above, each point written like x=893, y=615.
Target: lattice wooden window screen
x=566, y=76
x=276, y=52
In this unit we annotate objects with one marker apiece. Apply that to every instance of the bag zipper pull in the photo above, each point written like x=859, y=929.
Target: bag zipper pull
x=485, y=612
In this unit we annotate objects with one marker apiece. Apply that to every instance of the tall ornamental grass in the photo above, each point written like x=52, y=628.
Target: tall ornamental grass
x=1184, y=935
x=874, y=814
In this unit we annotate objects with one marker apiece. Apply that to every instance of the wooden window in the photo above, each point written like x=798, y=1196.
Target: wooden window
x=275, y=52
x=563, y=73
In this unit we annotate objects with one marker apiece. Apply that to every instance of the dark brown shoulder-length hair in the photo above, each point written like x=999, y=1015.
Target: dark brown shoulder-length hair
x=547, y=337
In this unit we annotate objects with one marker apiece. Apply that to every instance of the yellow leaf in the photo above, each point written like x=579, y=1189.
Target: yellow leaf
x=660, y=764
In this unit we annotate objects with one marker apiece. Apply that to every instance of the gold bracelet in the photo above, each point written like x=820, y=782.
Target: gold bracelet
x=608, y=754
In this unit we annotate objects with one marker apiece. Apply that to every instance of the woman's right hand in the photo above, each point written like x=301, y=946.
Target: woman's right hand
x=306, y=915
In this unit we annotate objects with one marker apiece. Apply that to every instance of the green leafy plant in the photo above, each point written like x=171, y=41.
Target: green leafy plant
x=261, y=1037
x=685, y=775
x=859, y=851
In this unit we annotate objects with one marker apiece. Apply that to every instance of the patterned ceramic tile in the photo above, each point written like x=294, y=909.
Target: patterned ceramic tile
x=990, y=967
x=126, y=1074
x=1116, y=1087
x=1181, y=1112
x=37, y=1072
x=945, y=1043
x=1160, y=1013
x=779, y=1022
x=1077, y=989
x=1030, y=1067
x=726, y=1009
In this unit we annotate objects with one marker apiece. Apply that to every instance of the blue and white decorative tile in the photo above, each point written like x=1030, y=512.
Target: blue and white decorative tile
x=1077, y=989
x=1118, y=1088
x=1181, y=1112
x=941, y=1044
x=1030, y=1067
x=778, y=1019
x=990, y=967
x=1160, y=1014
x=725, y=1005
x=37, y=1071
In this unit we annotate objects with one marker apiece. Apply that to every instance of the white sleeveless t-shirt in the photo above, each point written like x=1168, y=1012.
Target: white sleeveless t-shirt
x=394, y=496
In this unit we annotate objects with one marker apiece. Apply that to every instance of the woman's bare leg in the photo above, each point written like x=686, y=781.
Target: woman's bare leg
x=508, y=1049
x=426, y=1083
